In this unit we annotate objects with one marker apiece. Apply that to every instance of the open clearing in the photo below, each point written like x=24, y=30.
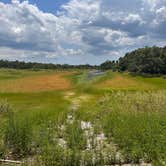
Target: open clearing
x=42, y=82
x=64, y=118
x=120, y=81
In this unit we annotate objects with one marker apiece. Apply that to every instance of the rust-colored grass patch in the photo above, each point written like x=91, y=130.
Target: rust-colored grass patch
x=122, y=82
x=46, y=82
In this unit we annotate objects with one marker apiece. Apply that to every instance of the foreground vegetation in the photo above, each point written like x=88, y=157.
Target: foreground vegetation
x=113, y=118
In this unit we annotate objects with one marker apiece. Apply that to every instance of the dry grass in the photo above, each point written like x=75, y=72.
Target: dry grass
x=44, y=82
x=122, y=82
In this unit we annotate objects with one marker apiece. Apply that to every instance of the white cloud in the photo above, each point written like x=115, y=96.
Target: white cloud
x=83, y=10
x=153, y=4
x=133, y=18
x=161, y=14
x=15, y=1
x=98, y=29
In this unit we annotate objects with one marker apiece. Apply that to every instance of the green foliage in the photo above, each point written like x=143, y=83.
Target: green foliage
x=53, y=156
x=148, y=60
x=133, y=123
x=4, y=107
x=75, y=136
x=36, y=66
x=57, y=156
x=109, y=65
x=151, y=60
x=137, y=124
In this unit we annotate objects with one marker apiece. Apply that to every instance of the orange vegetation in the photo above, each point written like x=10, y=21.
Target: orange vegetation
x=120, y=82
x=46, y=82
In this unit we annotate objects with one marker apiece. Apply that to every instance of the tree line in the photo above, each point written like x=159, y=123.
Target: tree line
x=35, y=65
x=150, y=60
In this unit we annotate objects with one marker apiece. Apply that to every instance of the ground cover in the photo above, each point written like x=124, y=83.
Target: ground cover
x=114, y=118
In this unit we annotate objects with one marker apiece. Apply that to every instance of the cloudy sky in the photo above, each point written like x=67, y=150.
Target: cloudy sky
x=79, y=31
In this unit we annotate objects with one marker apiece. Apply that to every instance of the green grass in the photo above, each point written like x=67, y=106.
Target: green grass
x=158, y=82
x=132, y=117
x=6, y=74
x=135, y=121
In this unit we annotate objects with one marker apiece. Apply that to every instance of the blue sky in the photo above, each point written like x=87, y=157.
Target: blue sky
x=79, y=31
x=45, y=5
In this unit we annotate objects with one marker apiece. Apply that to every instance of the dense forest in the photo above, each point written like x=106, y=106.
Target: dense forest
x=150, y=60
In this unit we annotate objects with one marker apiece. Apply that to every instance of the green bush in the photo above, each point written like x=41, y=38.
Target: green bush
x=4, y=107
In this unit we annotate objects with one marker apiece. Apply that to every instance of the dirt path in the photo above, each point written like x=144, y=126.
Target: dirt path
x=101, y=142
x=76, y=100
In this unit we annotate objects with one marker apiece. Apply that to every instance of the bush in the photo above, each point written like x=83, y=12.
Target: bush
x=4, y=107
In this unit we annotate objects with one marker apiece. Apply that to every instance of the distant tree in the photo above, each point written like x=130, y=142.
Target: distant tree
x=34, y=65
x=109, y=65
x=150, y=60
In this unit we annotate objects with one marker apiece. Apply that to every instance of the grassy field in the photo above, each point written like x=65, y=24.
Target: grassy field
x=63, y=118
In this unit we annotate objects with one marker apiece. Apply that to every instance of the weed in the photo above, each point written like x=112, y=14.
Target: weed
x=18, y=135
x=4, y=107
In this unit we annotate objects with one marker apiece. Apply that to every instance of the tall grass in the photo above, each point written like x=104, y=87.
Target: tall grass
x=15, y=136
x=18, y=135
x=57, y=156
x=133, y=122
x=75, y=136
x=4, y=109
x=137, y=124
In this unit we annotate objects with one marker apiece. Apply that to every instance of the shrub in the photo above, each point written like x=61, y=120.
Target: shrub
x=4, y=107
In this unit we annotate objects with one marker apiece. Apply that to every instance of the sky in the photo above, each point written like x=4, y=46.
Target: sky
x=79, y=31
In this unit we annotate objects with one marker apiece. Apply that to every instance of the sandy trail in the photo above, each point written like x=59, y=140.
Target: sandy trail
x=75, y=100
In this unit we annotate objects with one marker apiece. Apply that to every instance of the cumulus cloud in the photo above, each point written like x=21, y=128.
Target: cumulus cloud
x=83, y=31
x=25, y=27
x=15, y=1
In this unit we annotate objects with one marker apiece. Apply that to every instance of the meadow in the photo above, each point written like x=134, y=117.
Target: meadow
x=66, y=118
